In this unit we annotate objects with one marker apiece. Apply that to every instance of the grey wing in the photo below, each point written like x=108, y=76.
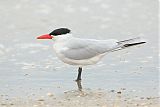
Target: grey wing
x=79, y=49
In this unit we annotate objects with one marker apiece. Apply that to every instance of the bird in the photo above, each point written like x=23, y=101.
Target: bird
x=81, y=52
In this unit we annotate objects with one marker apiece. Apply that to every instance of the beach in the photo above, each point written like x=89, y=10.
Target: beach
x=32, y=76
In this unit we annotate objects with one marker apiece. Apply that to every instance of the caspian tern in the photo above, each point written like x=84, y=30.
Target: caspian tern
x=82, y=52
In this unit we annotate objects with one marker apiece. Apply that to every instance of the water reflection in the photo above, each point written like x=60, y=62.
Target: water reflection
x=91, y=97
x=79, y=85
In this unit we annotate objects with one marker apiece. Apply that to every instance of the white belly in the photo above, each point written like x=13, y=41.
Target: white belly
x=83, y=62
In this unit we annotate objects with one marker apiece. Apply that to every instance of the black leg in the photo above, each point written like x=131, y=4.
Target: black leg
x=79, y=74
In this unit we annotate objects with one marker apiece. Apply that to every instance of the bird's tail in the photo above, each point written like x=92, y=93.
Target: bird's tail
x=129, y=43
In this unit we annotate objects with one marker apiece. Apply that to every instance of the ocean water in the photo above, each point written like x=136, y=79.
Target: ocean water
x=29, y=66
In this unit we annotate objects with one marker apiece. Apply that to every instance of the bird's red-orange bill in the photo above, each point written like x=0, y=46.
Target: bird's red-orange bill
x=46, y=36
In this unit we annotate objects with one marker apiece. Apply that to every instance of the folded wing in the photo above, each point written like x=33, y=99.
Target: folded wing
x=80, y=49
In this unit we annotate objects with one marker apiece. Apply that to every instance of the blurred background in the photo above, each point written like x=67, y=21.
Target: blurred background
x=29, y=66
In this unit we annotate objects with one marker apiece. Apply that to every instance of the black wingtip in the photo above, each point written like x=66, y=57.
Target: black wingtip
x=127, y=45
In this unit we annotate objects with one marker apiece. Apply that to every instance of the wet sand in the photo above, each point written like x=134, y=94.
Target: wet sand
x=83, y=98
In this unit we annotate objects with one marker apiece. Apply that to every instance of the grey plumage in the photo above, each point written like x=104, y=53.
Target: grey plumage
x=85, y=49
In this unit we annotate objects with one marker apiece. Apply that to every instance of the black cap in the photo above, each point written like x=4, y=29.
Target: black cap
x=60, y=31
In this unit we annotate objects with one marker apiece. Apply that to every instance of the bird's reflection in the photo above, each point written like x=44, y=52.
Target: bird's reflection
x=79, y=85
x=113, y=98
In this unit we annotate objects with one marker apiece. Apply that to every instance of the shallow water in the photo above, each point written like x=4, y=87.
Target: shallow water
x=29, y=69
